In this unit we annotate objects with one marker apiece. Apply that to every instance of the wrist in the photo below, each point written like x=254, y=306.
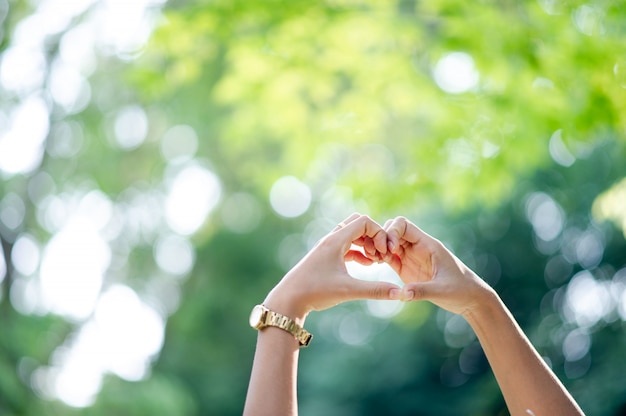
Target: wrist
x=483, y=308
x=286, y=305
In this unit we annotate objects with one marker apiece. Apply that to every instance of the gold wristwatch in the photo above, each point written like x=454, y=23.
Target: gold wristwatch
x=262, y=317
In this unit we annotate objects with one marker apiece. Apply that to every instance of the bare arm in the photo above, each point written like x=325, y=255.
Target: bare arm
x=319, y=281
x=272, y=389
x=431, y=272
x=528, y=385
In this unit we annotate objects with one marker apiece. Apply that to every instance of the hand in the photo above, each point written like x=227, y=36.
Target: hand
x=430, y=271
x=320, y=280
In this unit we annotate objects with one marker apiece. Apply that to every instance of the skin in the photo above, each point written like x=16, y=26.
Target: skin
x=319, y=281
x=429, y=272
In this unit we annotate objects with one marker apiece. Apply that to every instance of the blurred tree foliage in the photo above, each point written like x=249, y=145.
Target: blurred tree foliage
x=499, y=127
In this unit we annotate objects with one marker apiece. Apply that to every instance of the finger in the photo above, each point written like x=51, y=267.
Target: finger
x=361, y=289
x=403, y=229
x=394, y=262
x=369, y=247
x=380, y=241
x=430, y=291
x=375, y=236
x=395, y=230
x=347, y=221
x=357, y=256
x=380, y=258
x=370, y=252
x=363, y=226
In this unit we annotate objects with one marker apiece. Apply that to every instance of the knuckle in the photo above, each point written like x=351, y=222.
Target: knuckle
x=365, y=218
x=419, y=293
x=379, y=292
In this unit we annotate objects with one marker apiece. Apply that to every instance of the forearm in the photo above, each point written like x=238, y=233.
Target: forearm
x=526, y=382
x=272, y=389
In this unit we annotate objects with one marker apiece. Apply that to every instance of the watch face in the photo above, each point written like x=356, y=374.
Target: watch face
x=255, y=316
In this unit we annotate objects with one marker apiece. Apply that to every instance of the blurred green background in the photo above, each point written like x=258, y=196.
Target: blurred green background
x=163, y=164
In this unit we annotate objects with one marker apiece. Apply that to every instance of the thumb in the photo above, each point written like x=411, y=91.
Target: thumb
x=374, y=290
x=419, y=291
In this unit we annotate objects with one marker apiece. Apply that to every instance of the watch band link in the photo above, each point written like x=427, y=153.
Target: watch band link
x=302, y=335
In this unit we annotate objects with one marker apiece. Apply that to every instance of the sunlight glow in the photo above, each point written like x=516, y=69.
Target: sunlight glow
x=193, y=193
x=68, y=87
x=66, y=139
x=24, y=64
x=383, y=309
x=22, y=69
x=79, y=381
x=122, y=337
x=57, y=14
x=576, y=345
x=290, y=197
x=174, y=254
x=72, y=269
x=457, y=332
x=553, y=7
x=51, y=213
x=12, y=211
x=25, y=255
x=455, y=73
x=619, y=292
x=25, y=295
x=590, y=248
x=353, y=329
x=559, y=151
x=124, y=27
x=611, y=205
x=138, y=215
x=462, y=152
x=129, y=332
x=21, y=147
x=587, y=301
x=114, y=330
x=40, y=186
x=76, y=48
x=588, y=20
x=179, y=142
x=545, y=215
x=131, y=127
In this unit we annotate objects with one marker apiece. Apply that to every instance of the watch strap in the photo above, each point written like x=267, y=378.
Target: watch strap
x=283, y=322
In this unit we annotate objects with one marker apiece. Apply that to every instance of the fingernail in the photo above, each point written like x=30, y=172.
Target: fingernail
x=408, y=295
x=394, y=294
